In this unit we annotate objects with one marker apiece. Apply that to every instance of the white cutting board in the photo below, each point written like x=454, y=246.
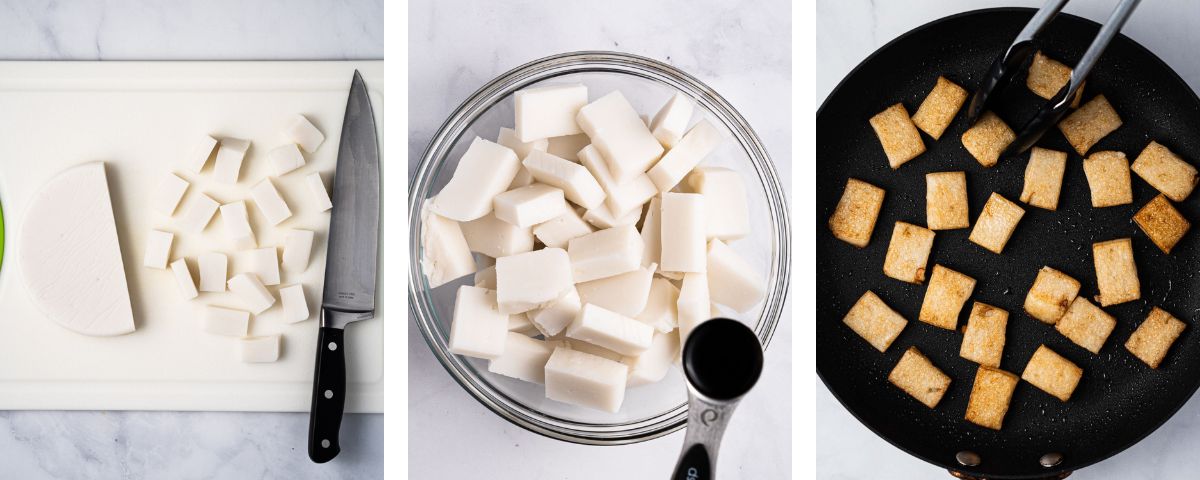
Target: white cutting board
x=142, y=119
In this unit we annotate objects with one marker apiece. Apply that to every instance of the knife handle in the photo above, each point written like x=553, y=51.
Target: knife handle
x=329, y=395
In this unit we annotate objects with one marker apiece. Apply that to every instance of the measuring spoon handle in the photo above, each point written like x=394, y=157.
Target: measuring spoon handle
x=705, y=427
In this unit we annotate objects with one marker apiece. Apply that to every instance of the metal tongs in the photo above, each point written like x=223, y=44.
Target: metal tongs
x=1007, y=65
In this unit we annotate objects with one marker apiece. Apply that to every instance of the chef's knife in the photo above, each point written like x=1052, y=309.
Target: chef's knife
x=350, y=268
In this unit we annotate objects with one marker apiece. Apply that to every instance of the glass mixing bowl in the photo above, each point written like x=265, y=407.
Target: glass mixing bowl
x=648, y=411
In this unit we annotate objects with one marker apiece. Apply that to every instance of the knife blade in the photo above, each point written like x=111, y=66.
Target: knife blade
x=350, y=267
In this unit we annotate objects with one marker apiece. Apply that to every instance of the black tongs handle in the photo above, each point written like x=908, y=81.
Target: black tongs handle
x=1053, y=111
x=1002, y=71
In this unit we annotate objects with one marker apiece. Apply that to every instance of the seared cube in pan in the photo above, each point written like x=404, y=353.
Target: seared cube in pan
x=1116, y=272
x=1051, y=295
x=939, y=107
x=1162, y=223
x=990, y=397
x=854, y=218
x=1150, y=342
x=1108, y=179
x=1043, y=178
x=908, y=253
x=988, y=138
x=917, y=376
x=1052, y=373
x=1092, y=122
x=900, y=138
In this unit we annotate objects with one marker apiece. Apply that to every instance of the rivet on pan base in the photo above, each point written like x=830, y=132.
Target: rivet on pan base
x=967, y=458
x=1050, y=459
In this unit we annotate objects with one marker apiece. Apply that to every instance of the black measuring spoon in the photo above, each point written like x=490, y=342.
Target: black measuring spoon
x=722, y=360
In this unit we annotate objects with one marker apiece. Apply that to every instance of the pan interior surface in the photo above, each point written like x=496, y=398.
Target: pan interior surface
x=1119, y=399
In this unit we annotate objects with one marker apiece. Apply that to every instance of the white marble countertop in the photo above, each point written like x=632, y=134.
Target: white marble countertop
x=850, y=30
x=457, y=46
x=186, y=445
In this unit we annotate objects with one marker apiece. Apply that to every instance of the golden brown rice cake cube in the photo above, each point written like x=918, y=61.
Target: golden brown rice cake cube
x=854, y=218
x=1052, y=373
x=1162, y=223
x=996, y=223
x=1150, y=342
x=900, y=138
x=947, y=292
x=1086, y=325
x=990, y=396
x=987, y=139
x=1108, y=179
x=1047, y=76
x=983, y=340
x=908, y=253
x=917, y=376
x=939, y=107
x=874, y=321
x=1116, y=272
x=1166, y=171
x=1051, y=294
x=1090, y=123
x=1043, y=178
x=946, y=201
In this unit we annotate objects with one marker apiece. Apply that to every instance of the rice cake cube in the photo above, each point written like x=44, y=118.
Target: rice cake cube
x=1162, y=223
x=227, y=166
x=990, y=397
x=548, y=111
x=497, y=238
x=908, y=253
x=1047, y=76
x=567, y=146
x=524, y=358
x=1150, y=342
x=605, y=253
x=939, y=107
x=1089, y=124
x=987, y=139
x=577, y=184
x=1051, y=295
x=854, y=218
x=996, y=223
x=1052, y=373
x=946, y=200
x=983, y=339
x=529, y=205
x=532, y=280
x=724, y=193
x=1043, y=178
x=297, y=248
x=874, y=321
x=555, y=318
x=1116, y=272
x=1166, y=171
x=1086, y=325
x=944, y=298
x=622, y=138
x=625, y=294
x=1108, y=179
x=478, y=328
x=900, y=138
x=662, y=309
x=561, y=229
x=587, y=380
x=918, y=377
x=485, y=170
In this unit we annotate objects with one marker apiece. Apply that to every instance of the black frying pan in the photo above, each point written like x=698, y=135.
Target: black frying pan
x=1119, y=400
